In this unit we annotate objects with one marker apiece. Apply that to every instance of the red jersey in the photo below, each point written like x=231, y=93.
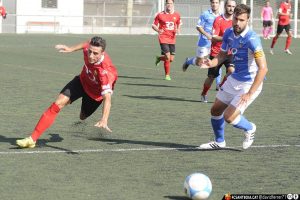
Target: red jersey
x=219, y=27
x=169, y=23
x=284, y=8
x=98, y=78
x=2, y=11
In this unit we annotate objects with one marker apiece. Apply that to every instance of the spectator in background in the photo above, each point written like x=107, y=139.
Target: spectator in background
x=267, y=20
x=3, y=11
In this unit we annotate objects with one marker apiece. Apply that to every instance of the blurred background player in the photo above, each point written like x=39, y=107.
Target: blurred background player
x=167, y=25
x=267, y=20
x=221, y=23
x=3, y=11
x=284, y=15
x=244, y=85
x=95, y=85
x=204, y=27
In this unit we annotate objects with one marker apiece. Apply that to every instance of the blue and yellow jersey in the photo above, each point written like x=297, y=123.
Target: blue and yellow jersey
x=244, y=49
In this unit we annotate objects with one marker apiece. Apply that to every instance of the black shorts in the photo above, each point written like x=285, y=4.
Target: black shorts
x=74, y=91
x=280, y=28
x=214, y=72
x=166, y=48
x=267, y=23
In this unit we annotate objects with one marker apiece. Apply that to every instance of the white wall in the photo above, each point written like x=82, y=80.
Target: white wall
x=68, y=15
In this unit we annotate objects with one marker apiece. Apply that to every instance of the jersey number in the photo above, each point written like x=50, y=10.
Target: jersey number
x=170, y=25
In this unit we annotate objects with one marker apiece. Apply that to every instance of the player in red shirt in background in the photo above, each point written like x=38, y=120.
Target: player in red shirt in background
x=3, y=12
x=221, y=23
x=284, y=15
x=95, y=85
x=167, y=25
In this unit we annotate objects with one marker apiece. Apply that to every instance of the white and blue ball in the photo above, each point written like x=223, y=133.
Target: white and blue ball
x=197, y=186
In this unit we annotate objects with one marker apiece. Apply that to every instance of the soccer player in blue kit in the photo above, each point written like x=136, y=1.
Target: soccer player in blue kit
x=204, y=27
x=243, y=85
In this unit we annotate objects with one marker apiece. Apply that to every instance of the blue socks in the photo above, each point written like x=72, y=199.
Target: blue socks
x=191, y=61
x=242, y=123
x=218, y=125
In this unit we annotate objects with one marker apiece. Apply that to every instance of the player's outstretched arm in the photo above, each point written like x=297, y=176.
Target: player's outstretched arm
x=66, y=49
x=105, y=112
x=207, y=63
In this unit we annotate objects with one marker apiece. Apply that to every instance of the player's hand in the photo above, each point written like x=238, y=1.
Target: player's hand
x=205, y=63
x=62, y=48
x=244, y=99
x=103, y=124
x=160, y=31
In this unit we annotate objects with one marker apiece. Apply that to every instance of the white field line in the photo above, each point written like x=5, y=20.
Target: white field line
x=130, y=150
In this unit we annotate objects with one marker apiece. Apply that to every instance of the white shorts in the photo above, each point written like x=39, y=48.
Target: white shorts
x=232, y=90
x=201, y=52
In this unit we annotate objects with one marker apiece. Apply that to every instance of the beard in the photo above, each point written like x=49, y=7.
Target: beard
x=237, y=30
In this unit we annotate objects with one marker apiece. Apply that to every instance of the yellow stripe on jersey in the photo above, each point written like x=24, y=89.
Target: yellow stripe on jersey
x=258, y=54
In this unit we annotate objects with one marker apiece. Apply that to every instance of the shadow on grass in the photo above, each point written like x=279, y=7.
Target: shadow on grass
x=54, y=138
x=162, y=98
x=179, y=147
x=135, y=77
x=156, y=85
x=177, y=197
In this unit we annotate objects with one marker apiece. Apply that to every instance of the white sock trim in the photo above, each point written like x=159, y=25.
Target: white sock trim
x=236, y=120
x=217, y=117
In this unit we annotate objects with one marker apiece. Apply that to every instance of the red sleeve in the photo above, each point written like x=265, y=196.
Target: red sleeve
x=216, y=27
x=156, y=19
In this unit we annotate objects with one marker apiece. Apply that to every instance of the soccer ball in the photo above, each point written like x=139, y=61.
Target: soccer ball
x=197, y=186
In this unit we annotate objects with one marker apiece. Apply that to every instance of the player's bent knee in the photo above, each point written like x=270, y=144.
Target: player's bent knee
x=62, y=101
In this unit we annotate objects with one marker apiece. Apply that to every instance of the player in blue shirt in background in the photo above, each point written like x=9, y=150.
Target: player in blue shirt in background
x=243, y=85
x=204, y=27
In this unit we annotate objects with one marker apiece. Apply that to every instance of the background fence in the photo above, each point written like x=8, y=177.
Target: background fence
x=123, y=17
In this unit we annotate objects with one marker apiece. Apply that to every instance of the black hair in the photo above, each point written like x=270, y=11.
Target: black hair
x=98, y=41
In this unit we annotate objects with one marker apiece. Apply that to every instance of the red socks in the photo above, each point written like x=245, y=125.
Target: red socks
x=288, y=42
x=167, y=67
x=205, y=89
x=273, y=42
x=45, y=121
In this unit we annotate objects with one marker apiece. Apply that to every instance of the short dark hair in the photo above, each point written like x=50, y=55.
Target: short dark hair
x=241, y=9
x=172, y=0
x=226, y=2
x=212, y=0
x=98, y=41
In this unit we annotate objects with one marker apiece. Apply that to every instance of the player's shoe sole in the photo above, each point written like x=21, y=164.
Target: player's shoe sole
x=249, y=137
x=212, y=145
x=26, y=143
x=185, y=65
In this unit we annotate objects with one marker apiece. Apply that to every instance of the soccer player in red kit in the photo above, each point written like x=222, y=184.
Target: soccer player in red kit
x=167, y=25
x=284, y=14
x=3, y=12
x=94, y=85
x=220, y=24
